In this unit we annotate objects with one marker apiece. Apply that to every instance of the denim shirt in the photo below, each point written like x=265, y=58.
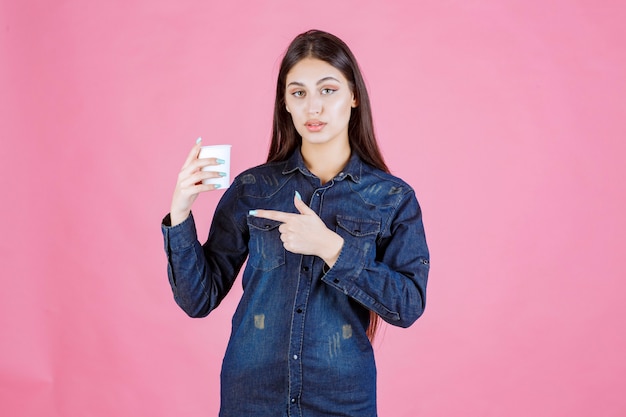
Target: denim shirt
x=298, y=345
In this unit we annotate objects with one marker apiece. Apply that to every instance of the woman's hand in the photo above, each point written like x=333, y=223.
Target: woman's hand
x=189, y=184
x=305, y=233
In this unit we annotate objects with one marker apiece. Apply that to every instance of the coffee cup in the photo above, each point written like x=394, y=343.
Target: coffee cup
x=220, y=152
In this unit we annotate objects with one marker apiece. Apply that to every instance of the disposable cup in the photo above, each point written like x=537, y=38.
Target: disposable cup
x=220, y=152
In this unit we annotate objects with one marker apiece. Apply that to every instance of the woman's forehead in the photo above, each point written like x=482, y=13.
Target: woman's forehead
x=313, y=70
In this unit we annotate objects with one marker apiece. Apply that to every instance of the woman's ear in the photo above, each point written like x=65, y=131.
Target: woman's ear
x=355, y=102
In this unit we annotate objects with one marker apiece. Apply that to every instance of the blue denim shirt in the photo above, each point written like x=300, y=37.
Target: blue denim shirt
x=298, y=345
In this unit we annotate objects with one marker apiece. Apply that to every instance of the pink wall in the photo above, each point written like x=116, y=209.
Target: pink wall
x=506, y=116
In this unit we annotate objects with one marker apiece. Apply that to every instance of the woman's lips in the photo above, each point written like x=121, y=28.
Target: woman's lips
x=314, y=125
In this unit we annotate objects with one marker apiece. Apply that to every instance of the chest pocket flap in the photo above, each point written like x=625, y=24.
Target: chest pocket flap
x=358, y=227
x=262, y=224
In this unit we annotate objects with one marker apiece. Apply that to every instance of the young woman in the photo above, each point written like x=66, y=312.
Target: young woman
x=333, y=243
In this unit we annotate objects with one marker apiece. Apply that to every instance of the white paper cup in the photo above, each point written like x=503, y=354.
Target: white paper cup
x=220, y=152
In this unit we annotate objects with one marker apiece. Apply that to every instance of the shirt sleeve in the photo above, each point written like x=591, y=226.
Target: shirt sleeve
x=201, y=275
x=390, y=280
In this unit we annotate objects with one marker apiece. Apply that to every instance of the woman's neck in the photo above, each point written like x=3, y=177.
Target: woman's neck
x=325, y=160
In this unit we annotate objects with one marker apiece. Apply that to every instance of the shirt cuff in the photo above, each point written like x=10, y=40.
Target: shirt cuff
x=181, y=236
x=347, y=268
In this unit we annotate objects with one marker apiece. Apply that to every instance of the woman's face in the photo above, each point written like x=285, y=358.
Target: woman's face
x=320, y=100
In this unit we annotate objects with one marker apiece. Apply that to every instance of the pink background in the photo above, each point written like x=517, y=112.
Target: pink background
x=508, y=118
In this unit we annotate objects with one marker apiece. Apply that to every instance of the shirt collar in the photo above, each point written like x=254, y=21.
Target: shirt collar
x=353, y=169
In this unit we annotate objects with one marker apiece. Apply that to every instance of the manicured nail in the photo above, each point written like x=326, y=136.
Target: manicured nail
x=298, y=196
x=222, y=174
x=216, y=186
x=220, y=161
x=252, y=212
x=198, y=140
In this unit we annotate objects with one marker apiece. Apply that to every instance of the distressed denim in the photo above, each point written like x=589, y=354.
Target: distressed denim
x=298, y=345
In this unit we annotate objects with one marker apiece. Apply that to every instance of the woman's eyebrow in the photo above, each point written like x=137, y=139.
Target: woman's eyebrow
x=323, y=80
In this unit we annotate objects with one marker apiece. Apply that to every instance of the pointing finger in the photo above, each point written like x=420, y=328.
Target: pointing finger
x=278, y=216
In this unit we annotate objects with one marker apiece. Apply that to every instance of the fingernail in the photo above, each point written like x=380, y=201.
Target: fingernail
x=216, y=186
x=198, y=140
x=298, y=196
x=222, y=174
x=220, y=161
x=252, y=212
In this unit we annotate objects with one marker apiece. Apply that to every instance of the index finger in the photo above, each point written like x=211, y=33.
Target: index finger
x=279, y=216
x=195, y=151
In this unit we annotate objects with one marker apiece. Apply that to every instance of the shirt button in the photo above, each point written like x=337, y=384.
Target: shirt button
x=293, y=401
x=305, y=268
x=299, y=310
x=295, y=357
x=336, y=280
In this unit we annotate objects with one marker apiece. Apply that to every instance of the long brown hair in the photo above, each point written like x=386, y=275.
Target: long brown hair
x=285, y=139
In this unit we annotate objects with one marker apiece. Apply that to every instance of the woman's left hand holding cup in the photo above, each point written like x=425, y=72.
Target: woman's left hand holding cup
x=189, y=183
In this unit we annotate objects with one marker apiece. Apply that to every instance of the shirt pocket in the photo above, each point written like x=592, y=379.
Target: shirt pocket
x=266, y=249
x=363, y=232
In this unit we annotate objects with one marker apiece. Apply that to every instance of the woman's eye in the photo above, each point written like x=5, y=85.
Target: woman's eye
x=326, y=91
x=298, y=93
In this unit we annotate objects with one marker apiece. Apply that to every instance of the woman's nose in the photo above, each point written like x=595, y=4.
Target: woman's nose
x=315, y=105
